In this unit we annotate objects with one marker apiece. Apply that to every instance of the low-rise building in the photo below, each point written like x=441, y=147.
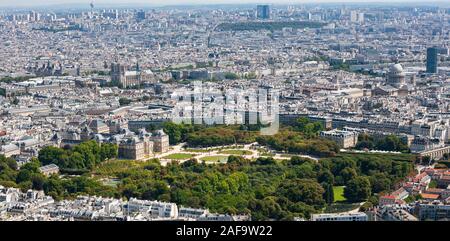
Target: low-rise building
x=394, y=212
x=359, y=216
x=132, y=148
x=160, y=141
x=345, y=139
x=9, y=150
x=433, y=211
x=49, y=169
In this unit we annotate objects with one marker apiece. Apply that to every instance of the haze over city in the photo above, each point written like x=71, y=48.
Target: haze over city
x=21, y=3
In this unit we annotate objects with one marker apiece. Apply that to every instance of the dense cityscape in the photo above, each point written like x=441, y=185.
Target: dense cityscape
x=250, y=112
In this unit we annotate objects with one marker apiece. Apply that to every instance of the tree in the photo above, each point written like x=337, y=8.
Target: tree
x=54, y=187
x=380, y=183
x=177, y=132
x=124, y=101
x=50, y=154
x=28, y=171
x=299, y=209
x=358, y=189
x=308, y=127
x=38, y=182
x=108, y=151
x=231, y=76
x=23, y=176
x=237, y=160
x=15, y=101
x=265, y=161
x=297, y=160
x=364, y=145
x=391, y=143
x=366, y=206
x=326, y=176
x=365, y=141
x=328, y=195
x=146, y=98
x=302, y=190
x=347, y=174
x=83, y=156
x=174, y=132
x=265, y=209
x=426, y=159
x=153, y=191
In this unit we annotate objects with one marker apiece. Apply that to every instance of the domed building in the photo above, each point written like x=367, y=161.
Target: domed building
x=395, y=83
x=395, y=76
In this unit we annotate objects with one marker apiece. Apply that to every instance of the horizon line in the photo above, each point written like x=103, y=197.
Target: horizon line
x=161, y=5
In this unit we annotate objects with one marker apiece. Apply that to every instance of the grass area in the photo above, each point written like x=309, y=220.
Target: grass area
x=214, y=159
x=267, y=154
x=433, y=184
x=264, y=152
x=204, y=150
x=236, y=152
x=286, y=155
x=279, y=160
x=197, y=150
x=112, y=182
x=112, y=167
x=339, y=194
x=179, y=156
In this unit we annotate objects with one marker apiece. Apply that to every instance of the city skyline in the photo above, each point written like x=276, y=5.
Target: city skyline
x=106, y=3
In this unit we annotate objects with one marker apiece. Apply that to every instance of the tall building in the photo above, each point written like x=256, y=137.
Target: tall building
x=117, y=72
x=34, y=16
x=432, y=60
x=263, y=11
x=353, y=16
x=361, y=17
x=140, y=15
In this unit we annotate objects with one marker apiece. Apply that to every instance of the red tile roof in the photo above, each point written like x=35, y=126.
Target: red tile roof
x=429, y=196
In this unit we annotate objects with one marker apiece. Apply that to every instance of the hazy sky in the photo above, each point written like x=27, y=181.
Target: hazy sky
x=13, y=3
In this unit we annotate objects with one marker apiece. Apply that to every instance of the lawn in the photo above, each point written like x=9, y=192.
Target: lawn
x=339, y=194
x=267, y=154
x=197, y=150
x=236, y=152
x=111, y=168
x=214, y=159
x=179, y=156
x=209, y=149
x=287, y=155
x=112, y=182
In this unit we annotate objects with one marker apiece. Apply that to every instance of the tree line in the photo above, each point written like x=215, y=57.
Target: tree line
x=264, y=188
x=385, y=143
x=81, y=157
x=204, y=136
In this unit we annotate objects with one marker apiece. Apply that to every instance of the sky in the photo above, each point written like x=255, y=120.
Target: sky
x=22, y=3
